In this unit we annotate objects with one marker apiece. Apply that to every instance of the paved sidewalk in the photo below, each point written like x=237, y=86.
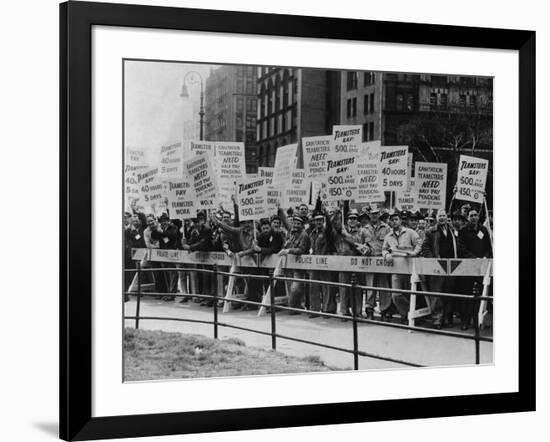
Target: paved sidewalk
x=416, y=347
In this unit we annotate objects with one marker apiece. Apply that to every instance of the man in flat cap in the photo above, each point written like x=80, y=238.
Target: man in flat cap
x=376, y=232
x=297, y=243
x=404, y=242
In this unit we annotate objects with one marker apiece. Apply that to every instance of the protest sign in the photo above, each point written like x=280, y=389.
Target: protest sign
x=229, y=162
x=341, y=175
x=430, y=180
x=171, y=161
x=151, y=187
x=251, y=198
x=134, y=160
x=346, y=139
x=272, y=194
x=181, y=199
x=393, y=168
x=297, y=191
x=201, y=147
x=342, y=163
x=315, y=150
x=406, y=200
x=368, y=176
x=203, y=178
x=285, y=161
x=471, y=178
x=267, y=173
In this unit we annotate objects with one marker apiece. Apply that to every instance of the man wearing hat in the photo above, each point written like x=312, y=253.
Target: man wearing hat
x=401, y=241
x=477, y=241
x=297, y=243
x=166, y=233
x=364, y=217
x=376, y=232
x=442, y=242
x=344, y=245
x=465, y=210
x=321, y=245
x=200, y=239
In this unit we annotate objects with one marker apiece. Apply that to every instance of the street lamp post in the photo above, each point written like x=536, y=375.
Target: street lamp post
x=185, y=94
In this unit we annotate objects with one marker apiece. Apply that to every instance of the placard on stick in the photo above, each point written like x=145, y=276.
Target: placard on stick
x=230, y=167
x=471, y=179
x=368, y=174
x=316, y=150
x=430, y=180
x=393, y=168
x=272, y=194
x=171, y=161
x=181, y=199
x=251, y=198
x=201, y=173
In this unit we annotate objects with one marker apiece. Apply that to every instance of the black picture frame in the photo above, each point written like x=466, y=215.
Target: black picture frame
x=76, y=21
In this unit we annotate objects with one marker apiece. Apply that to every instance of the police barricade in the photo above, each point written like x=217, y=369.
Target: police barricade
x=355, y=264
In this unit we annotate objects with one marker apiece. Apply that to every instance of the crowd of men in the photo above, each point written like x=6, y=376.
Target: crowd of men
x=374, y=231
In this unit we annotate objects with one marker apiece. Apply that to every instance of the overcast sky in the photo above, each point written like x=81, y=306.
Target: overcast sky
x=154, y=111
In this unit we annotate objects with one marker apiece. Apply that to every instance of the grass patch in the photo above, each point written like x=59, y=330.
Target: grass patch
x=151, y=355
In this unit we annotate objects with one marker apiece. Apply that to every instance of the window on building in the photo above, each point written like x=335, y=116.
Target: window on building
x=368, y=78
x=366, y=104
x=433, y=99
x=250, y=105
x=266, y=104
x=272, y=127
x=280, y=123
x=264, y=129
x=473, y=101
x=348, y=104
x=410, y=102
x=351, y=81
x=371, y=106
x=354, y=106
x=288, y=123
x=280, y=98
x=399, y=101
x=462, y=100
x=371, y=131
x=443, y=99
x=259, y=109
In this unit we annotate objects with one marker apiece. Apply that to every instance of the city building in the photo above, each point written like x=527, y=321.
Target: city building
x=392, y=105
x=438, y=116
x=293, y=103
x=230, y=108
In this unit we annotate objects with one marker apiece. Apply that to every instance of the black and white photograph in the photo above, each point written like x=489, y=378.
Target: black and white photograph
x=287, y=220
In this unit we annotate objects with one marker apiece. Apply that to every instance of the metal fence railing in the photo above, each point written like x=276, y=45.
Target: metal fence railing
x=475, y=299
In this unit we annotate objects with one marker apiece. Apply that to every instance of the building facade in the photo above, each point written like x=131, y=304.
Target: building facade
x=388, y=103
x=230, y=108
x=439, y=117
x=293, y=103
